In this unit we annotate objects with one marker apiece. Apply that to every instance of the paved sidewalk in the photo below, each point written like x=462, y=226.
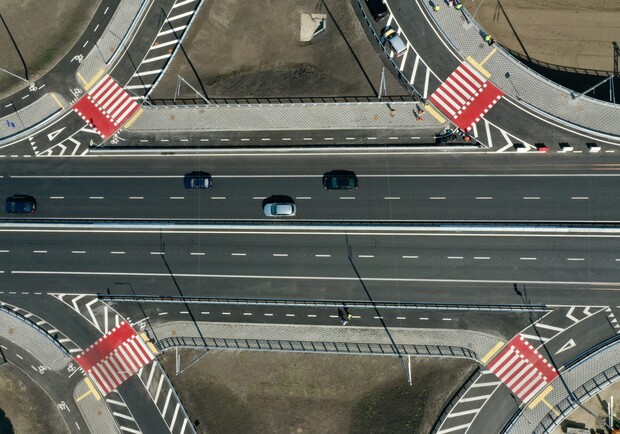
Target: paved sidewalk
x=33, y=339
x=94, y=410
x=366, y=115
x=520, y=82
x=480, y=343
x=18, y=123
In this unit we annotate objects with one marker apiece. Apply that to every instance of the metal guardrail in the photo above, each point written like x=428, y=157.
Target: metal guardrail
x=585, y=71
x=36, y=327
x=401, y=77
x=277, y=100
x=322, y=303
x=316, y=347
x=356, y=224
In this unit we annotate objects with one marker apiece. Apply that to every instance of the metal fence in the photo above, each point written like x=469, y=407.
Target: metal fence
x=102, y=223
x=316, y=347
x=109, y=298
x=277, y=100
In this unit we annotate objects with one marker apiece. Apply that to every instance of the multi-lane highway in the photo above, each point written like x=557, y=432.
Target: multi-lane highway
x=106, y=223
x=405, y=188
x=429, y=266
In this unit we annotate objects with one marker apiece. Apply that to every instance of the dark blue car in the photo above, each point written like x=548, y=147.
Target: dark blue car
x=198, y=180
x=20, y=204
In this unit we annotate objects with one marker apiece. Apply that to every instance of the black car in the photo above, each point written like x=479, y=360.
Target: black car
x=198, y=180
x=20, y=203
x=377, y=9
x=340, y=180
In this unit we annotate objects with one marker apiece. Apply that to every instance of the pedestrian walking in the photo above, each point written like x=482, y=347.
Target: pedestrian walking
x=457, y=4
x=343, y=319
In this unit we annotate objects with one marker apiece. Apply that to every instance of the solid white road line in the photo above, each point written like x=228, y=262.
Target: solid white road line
x=611, y=286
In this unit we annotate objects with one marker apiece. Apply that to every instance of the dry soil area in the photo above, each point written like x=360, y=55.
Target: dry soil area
x=577, y=33
x=35, y=35
x=253, y=392
x=26, y=406
x=252, y=49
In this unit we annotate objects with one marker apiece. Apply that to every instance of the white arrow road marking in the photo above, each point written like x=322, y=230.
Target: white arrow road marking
x=567, y=346
x=53, y=134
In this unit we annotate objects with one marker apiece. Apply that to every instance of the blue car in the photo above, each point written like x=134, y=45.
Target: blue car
x=20, y=204
x=198, y=180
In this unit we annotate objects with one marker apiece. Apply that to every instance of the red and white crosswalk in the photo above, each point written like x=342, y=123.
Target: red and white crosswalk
x=522, y=369
x=106, y=107
x=465, y=96
x=115, y=357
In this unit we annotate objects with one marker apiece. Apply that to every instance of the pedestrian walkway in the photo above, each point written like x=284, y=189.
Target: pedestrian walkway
x=36, y=341
x=106, y=107
x=465, y=96
x=516, y=80
x=337, y=339
x=115, y=357
x=12, y=125
x=522, y=369
x=264, y=117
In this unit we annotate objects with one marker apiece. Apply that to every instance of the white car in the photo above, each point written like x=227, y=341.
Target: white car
x=276, y=209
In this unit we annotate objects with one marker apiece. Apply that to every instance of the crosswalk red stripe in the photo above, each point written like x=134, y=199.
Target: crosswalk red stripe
x=540, y=362
x=126, y=358
x=120, y=368
x=103, y=384
x=112, y=371
x=466, y=82
x=534, y=391
x=140, y=350
x=106, y=86
x=112, y=101
x=478, y=107
x=104, y=347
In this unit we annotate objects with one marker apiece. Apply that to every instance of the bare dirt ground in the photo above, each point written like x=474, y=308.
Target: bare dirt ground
x=26, y=406
x=244, y=49
x=42, y=31
x=254, y=392
x=577, y=33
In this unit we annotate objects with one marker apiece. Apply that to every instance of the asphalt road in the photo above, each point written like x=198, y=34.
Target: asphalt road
x=423, y=268
x=396, y=188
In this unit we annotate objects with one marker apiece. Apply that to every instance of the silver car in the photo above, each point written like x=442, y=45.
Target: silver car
x=394, y=41
x=276, y=209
